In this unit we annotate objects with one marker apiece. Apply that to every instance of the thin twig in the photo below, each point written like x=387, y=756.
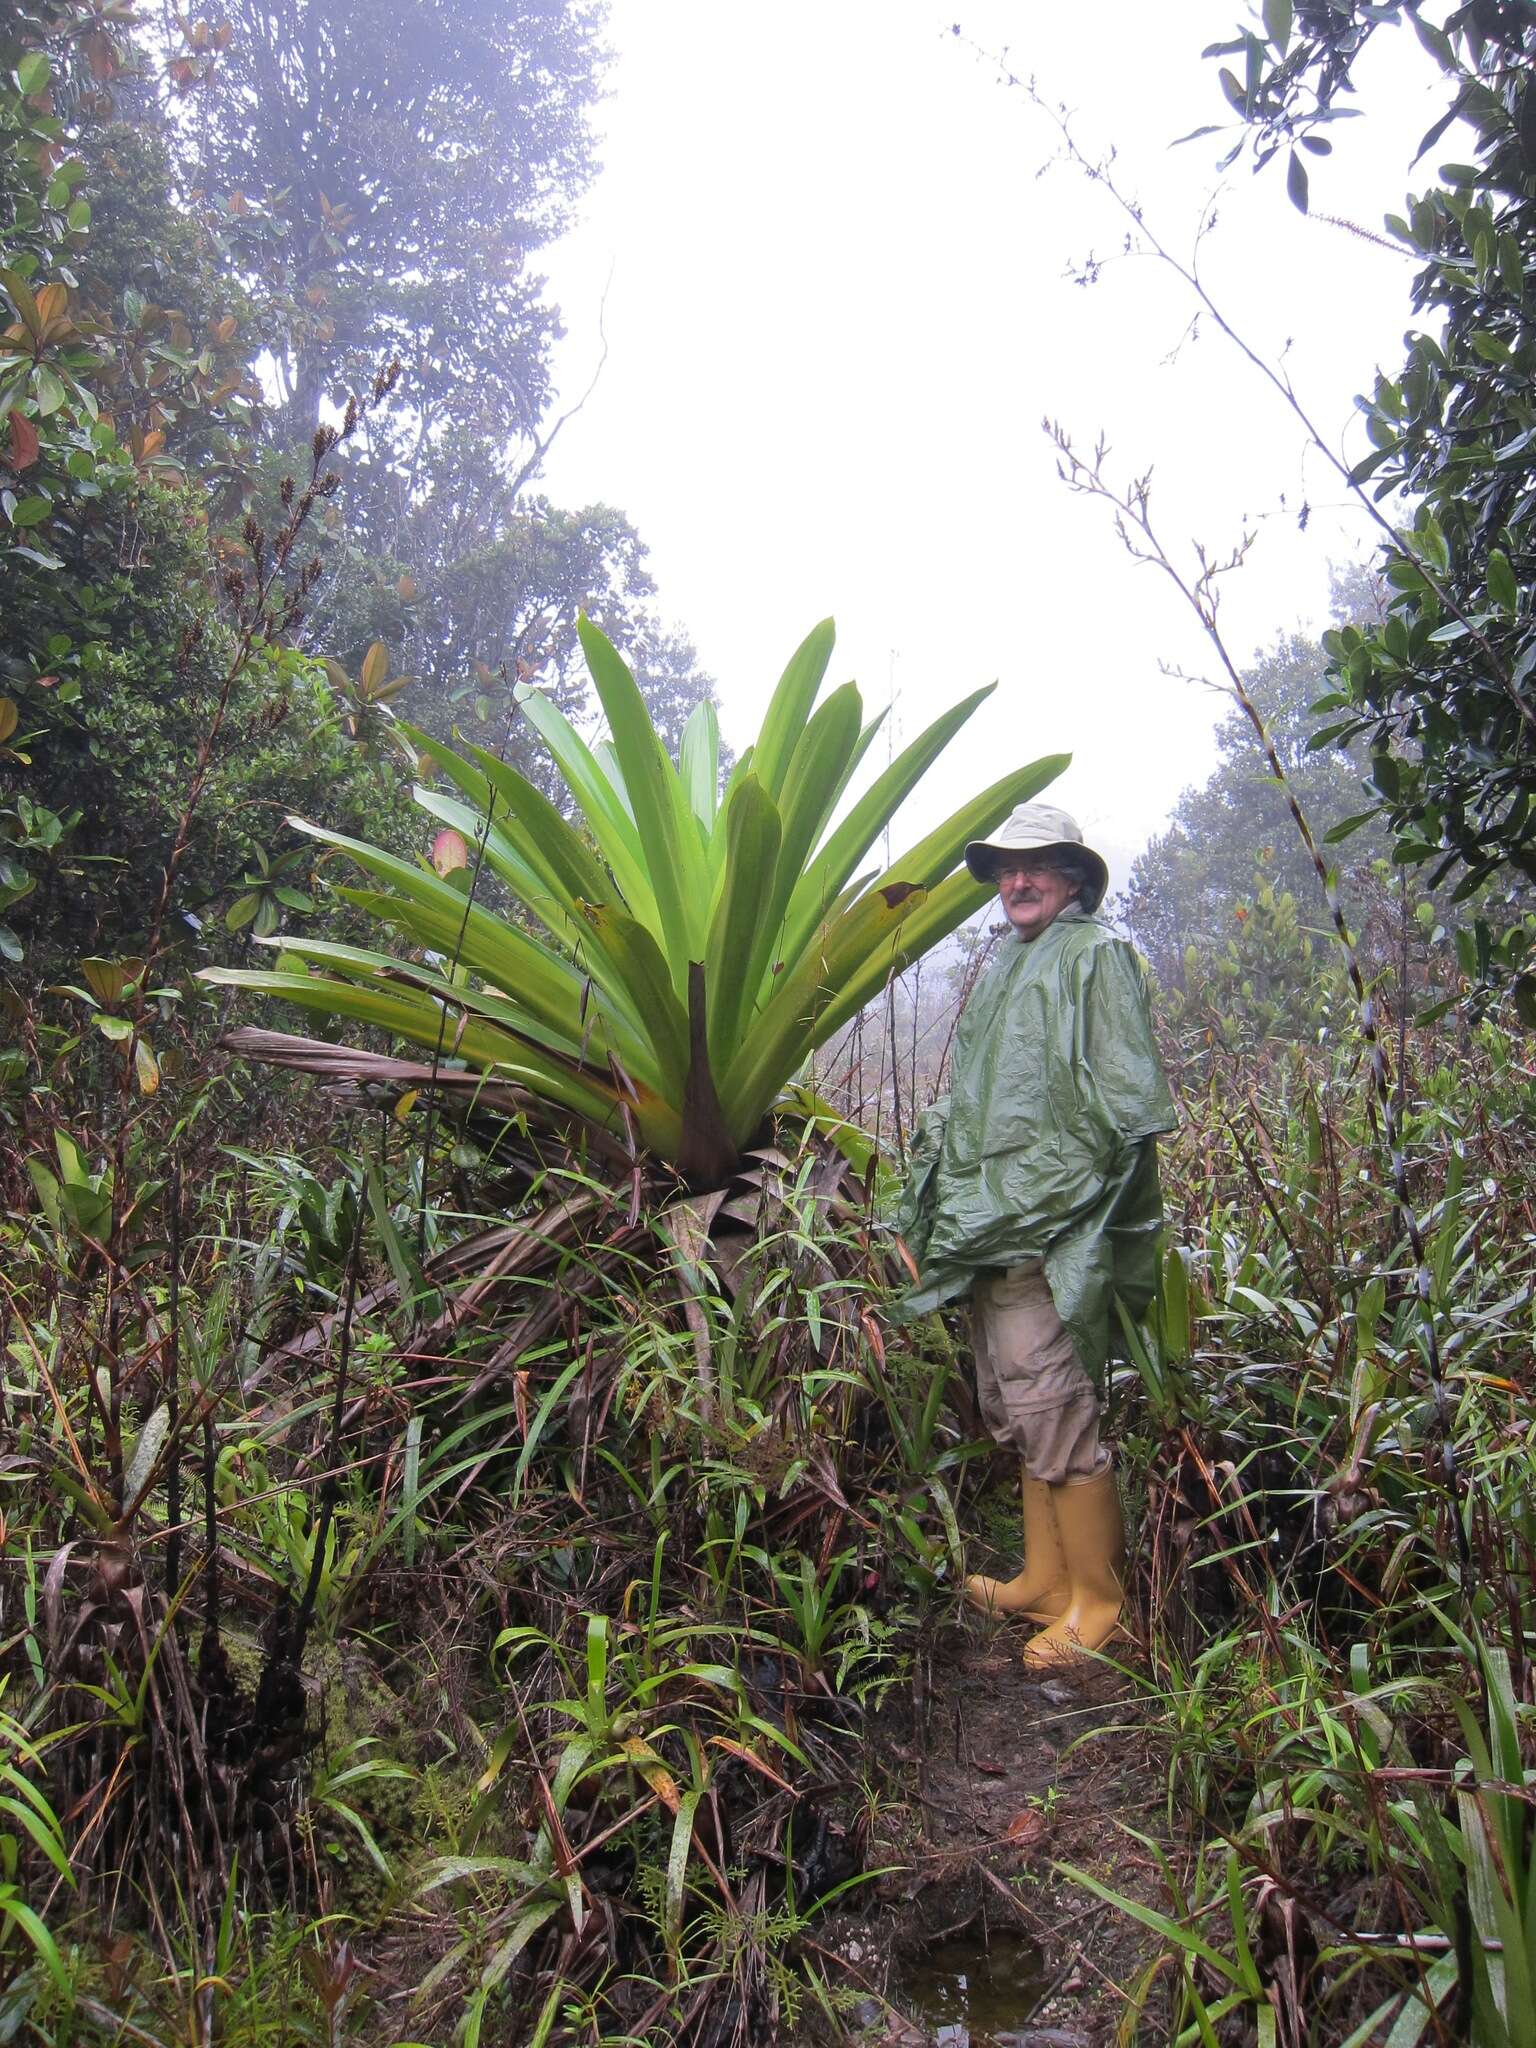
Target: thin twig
x=1133, y=524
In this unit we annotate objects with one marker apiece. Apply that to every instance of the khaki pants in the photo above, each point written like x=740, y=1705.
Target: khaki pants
x=1035, y=1396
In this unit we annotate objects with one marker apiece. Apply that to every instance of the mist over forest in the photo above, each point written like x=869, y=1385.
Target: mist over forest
x=517, y=1145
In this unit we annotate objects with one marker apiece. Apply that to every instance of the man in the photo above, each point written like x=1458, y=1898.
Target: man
x=1034, y=1187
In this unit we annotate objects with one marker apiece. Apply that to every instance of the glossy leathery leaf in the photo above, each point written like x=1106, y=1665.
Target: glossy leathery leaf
x=859, y=942
x=358, y=963
x=420, y=1020
x=943, y=910
x=548, y=987
x=934, y=857
x=532, y=824
x=421, y=886
x=827, y=871
x=639, y=961
x=512, y=861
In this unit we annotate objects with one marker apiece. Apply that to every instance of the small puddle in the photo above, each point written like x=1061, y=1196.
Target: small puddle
x=971, y=1994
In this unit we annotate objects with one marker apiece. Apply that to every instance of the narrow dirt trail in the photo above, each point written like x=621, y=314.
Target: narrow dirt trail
x=996, y=1776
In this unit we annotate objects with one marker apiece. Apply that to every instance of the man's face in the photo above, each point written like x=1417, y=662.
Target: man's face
x=1033, y=891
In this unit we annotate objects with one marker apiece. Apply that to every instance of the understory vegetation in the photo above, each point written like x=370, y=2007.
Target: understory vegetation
x=471, y=1512
x=376, y=1626
x=1335, y=1560
x=470, y=1618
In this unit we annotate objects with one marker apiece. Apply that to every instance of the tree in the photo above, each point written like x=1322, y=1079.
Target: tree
x=1441, y=689
x=125, y=397
x=384, y=174
x=141, y=460
x=419, y=155
x=1261, y=978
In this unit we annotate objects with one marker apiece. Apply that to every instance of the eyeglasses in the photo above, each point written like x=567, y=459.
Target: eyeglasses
x=1003, y=868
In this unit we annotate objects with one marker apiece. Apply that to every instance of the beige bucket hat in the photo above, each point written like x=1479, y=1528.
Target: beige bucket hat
x=1039, y=828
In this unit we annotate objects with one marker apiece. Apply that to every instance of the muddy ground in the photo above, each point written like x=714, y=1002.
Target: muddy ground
x=992, y=1777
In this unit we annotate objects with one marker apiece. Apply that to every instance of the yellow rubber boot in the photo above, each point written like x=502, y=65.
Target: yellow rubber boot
x=1040, y=1589
x=1093, y=1544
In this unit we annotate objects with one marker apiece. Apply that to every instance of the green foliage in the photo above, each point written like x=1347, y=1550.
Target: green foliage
x=138, y=670
x=657, y=1493
x=256, y=1527
x=133, y=428
x=691, y=966
x=1264, y=981
x=1439, y=689
x=30, y=1830
x=383, y=178
x=1327, y=1658
x=511, y=1591
x=418, y=159
x=114, y=646
x=492, y=598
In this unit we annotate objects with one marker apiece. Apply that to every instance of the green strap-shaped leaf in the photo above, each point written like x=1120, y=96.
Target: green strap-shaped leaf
x=566, y=922
x=717, y=842
x=521, y=877
x=752, y=833
x=851, y=1139
x=635, y=956
x=534, y=850
x=606, y=759
x=357, y=963
x=564, y=1004
x=848, y=896
x=1496, y=1922
x=827, y=870
x=543, y=837
x=707, y=1156
x=423, y=887
x=782, y=1036
x=865, y=741
x=790, y=707
x=420, y=884
x=546, y=985
x=691, y=912
x=419, y=1019
x=933, y=858
x=437, y=912
x=810, y=790
x=13, y=1907
x=663, y=820
x=699, y=763
x=463, y=774
x=601, y=805
x=943, y=911
x=503, y=855
x=677, y=1863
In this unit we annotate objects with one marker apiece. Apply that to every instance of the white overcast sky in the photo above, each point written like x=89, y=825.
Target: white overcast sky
x=839, y=309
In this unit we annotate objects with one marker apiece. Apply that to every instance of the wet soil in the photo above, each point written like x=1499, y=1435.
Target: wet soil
x=994, y=1777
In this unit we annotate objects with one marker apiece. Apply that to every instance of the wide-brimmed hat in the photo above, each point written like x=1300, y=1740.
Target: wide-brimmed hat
x=1040, y=828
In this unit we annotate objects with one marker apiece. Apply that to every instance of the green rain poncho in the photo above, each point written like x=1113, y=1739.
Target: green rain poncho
x=1044, y=1147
